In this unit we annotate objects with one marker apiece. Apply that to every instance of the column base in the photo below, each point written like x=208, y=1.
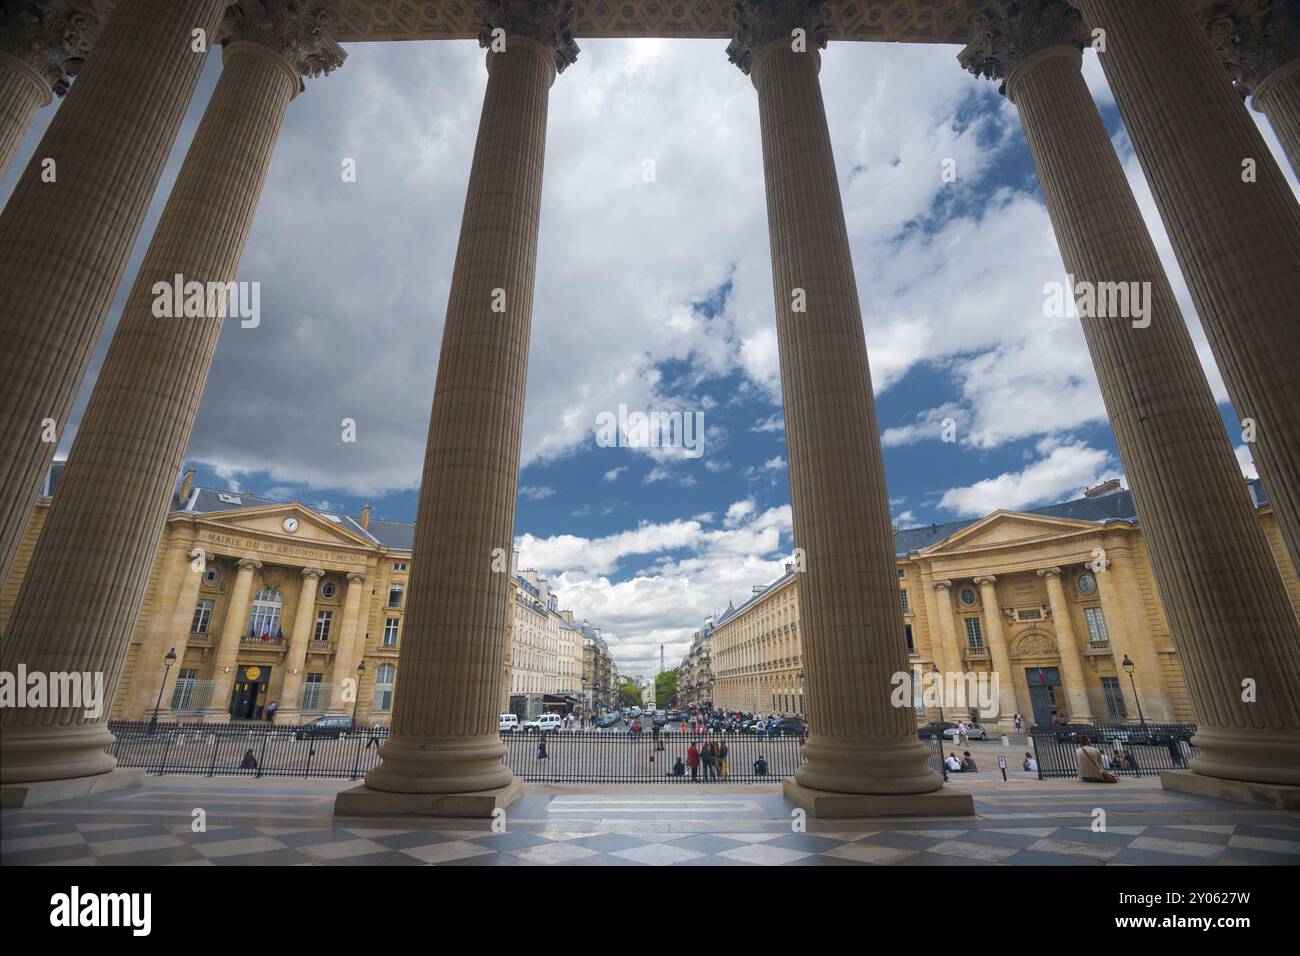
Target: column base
x=1279, y=796
x=441, y=765
x=37, y=792
x=881, y=765
x=1247, y=755
x=829, y=805
x=362, y=801
x=34, y=754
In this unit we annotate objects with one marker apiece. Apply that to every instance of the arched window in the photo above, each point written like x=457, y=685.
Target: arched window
x=384, y=686
x=264, y=617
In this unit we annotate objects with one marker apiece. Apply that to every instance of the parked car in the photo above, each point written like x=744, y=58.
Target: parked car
x=607, y=720
x=660, y=720
x=543, y=724
x=508, y=723
x=973, y=732
x=330, y=727
x=790, y=727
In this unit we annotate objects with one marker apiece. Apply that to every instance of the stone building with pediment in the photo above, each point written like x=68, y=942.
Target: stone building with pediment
x=271, y=601
x=261, y=601
x=1053, y=600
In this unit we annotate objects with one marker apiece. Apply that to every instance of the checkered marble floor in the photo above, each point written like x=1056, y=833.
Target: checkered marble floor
x=276, y=822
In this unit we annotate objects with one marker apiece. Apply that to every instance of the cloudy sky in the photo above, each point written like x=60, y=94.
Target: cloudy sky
x=657, y=296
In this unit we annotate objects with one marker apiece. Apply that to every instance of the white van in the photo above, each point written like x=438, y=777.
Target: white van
x=544, y=723
x=508, y=723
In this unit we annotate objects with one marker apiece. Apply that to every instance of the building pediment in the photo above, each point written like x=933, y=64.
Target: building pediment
x=275, y=521
x=1008, y=528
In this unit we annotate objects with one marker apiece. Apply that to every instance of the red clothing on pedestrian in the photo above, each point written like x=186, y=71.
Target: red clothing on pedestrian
x=692, y=757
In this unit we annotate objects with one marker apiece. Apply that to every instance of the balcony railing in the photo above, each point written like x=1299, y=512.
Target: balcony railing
x=267, y=642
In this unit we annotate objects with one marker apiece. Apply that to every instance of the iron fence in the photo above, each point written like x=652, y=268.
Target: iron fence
x=595, y=757
x=933, y=741
x=1130, y=749
x=260, y=749
x=245, y=749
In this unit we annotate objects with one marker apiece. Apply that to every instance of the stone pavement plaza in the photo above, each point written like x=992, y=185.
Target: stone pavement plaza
x=291, y=822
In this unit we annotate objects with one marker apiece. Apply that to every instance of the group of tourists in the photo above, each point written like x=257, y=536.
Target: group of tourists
x=964, y=764
x=710, y=761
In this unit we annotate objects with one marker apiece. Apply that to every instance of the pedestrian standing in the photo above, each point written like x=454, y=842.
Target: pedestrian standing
x=1019, y=721
x=541, y=748
x=693, y=761
x=270, y=710
x=723, y=753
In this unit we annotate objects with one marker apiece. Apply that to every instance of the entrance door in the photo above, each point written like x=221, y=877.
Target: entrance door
x=1043, y=685
x=247, y=697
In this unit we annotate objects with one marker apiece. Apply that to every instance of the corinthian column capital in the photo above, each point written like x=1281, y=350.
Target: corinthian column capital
x=756, y=23
x=298, y=31
x=1254, y=38
x=1015, y=30
x=53, y=45
x=544, y=21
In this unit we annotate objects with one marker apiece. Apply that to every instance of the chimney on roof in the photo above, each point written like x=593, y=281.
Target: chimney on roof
x=187, y=483
x=1105, y=488
x=789, y=566
x=365, y=518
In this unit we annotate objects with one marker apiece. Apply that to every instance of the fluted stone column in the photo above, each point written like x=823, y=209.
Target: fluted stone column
x=82, y=592
x=1076, y=688
x=345, y=646
x=999, y=652
x=1237, y=236
x=232, y=635
x=64, y=244
x=445, y=738
x=1218, y=581
x=1259, y=44
x=290, y=709
x=852, y=620
x=40, y=50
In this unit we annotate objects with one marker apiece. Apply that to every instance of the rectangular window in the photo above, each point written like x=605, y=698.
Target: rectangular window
x=906, y=608
x=390, y=632
x=313, y=700
x=1114, y=698
x=323, y=621
x=202, y=617
x=399, y=565
x=395, y=595
x=902, y=573
x=183, y=695
x=974, y=636
x=1096, y=624
x=911, y=644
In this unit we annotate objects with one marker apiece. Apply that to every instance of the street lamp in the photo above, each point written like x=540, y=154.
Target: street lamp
x=942, y=764
x=1128, y=667
x=168, y=661
x=356, y=699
